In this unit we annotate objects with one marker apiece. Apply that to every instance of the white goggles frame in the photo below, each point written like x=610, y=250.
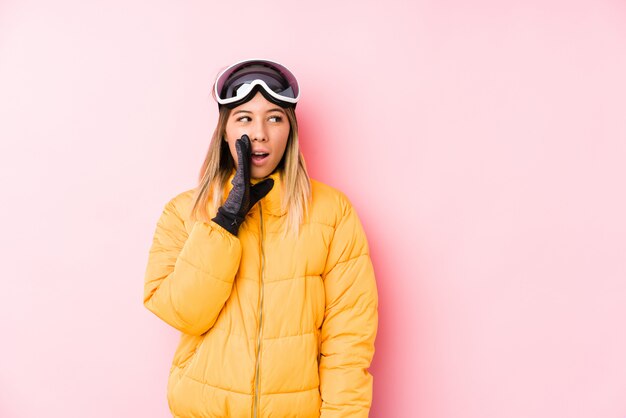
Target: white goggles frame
x=245, y=89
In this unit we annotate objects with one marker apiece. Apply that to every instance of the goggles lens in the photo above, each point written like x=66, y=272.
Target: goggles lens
x=235, y=83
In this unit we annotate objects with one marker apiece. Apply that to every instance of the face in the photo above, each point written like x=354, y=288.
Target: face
x=267, y=126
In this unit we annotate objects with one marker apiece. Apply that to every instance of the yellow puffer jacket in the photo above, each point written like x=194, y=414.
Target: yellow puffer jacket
x=271, y=326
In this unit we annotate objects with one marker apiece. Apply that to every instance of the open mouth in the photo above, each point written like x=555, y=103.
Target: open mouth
x=259, y=157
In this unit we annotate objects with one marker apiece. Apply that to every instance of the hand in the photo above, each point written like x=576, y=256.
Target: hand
x=243, y=196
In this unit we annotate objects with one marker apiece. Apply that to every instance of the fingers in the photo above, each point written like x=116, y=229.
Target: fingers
x=245, y=139
x=244, y=155
x=243, y=147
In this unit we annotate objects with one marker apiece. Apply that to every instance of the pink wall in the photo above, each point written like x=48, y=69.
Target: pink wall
x=483, y=144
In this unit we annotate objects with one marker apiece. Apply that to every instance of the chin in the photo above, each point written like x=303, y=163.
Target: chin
x=260, y=174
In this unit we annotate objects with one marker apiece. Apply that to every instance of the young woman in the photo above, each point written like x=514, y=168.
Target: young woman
x=265, y=272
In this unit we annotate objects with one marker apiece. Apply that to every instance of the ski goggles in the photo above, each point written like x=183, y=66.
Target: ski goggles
x=239, y=82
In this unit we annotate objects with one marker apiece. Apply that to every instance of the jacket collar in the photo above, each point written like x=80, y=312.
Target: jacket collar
x=272, y=202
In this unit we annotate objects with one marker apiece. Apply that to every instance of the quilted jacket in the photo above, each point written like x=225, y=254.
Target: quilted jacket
x=271, y=326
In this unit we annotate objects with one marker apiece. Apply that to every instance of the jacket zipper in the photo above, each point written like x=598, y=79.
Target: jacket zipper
x=257, y=378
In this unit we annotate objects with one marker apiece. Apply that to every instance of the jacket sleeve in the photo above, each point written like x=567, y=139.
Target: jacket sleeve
x=350, y=322
x=189, y=276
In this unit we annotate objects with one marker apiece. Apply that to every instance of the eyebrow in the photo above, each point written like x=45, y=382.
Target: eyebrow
x=274, y=109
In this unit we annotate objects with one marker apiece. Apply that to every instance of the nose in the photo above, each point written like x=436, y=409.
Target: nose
x=258, y=132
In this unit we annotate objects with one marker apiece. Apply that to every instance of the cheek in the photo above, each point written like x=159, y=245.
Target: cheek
x=230, y=132
x=230, y=136
x=231, y=147
x=282, y=142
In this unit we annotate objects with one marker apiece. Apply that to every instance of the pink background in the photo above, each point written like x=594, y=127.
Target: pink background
x=483, y=144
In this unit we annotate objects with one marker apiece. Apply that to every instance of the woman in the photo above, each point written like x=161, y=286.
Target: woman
x=265, y=272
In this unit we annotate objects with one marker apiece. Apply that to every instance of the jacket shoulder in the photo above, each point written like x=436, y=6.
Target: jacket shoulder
x=178, y=208
x=328, y=204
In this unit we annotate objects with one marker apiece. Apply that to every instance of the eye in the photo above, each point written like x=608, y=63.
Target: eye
x=244, y=119
x=275, y=118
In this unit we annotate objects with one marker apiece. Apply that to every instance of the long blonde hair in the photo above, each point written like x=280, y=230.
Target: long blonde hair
x=219, y=164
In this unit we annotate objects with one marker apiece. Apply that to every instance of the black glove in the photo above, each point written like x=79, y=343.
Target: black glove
x=243, y=195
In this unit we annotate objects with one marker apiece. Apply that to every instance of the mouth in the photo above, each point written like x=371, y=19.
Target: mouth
x=259, y=157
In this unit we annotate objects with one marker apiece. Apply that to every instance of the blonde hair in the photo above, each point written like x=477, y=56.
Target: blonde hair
x=219, y=164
